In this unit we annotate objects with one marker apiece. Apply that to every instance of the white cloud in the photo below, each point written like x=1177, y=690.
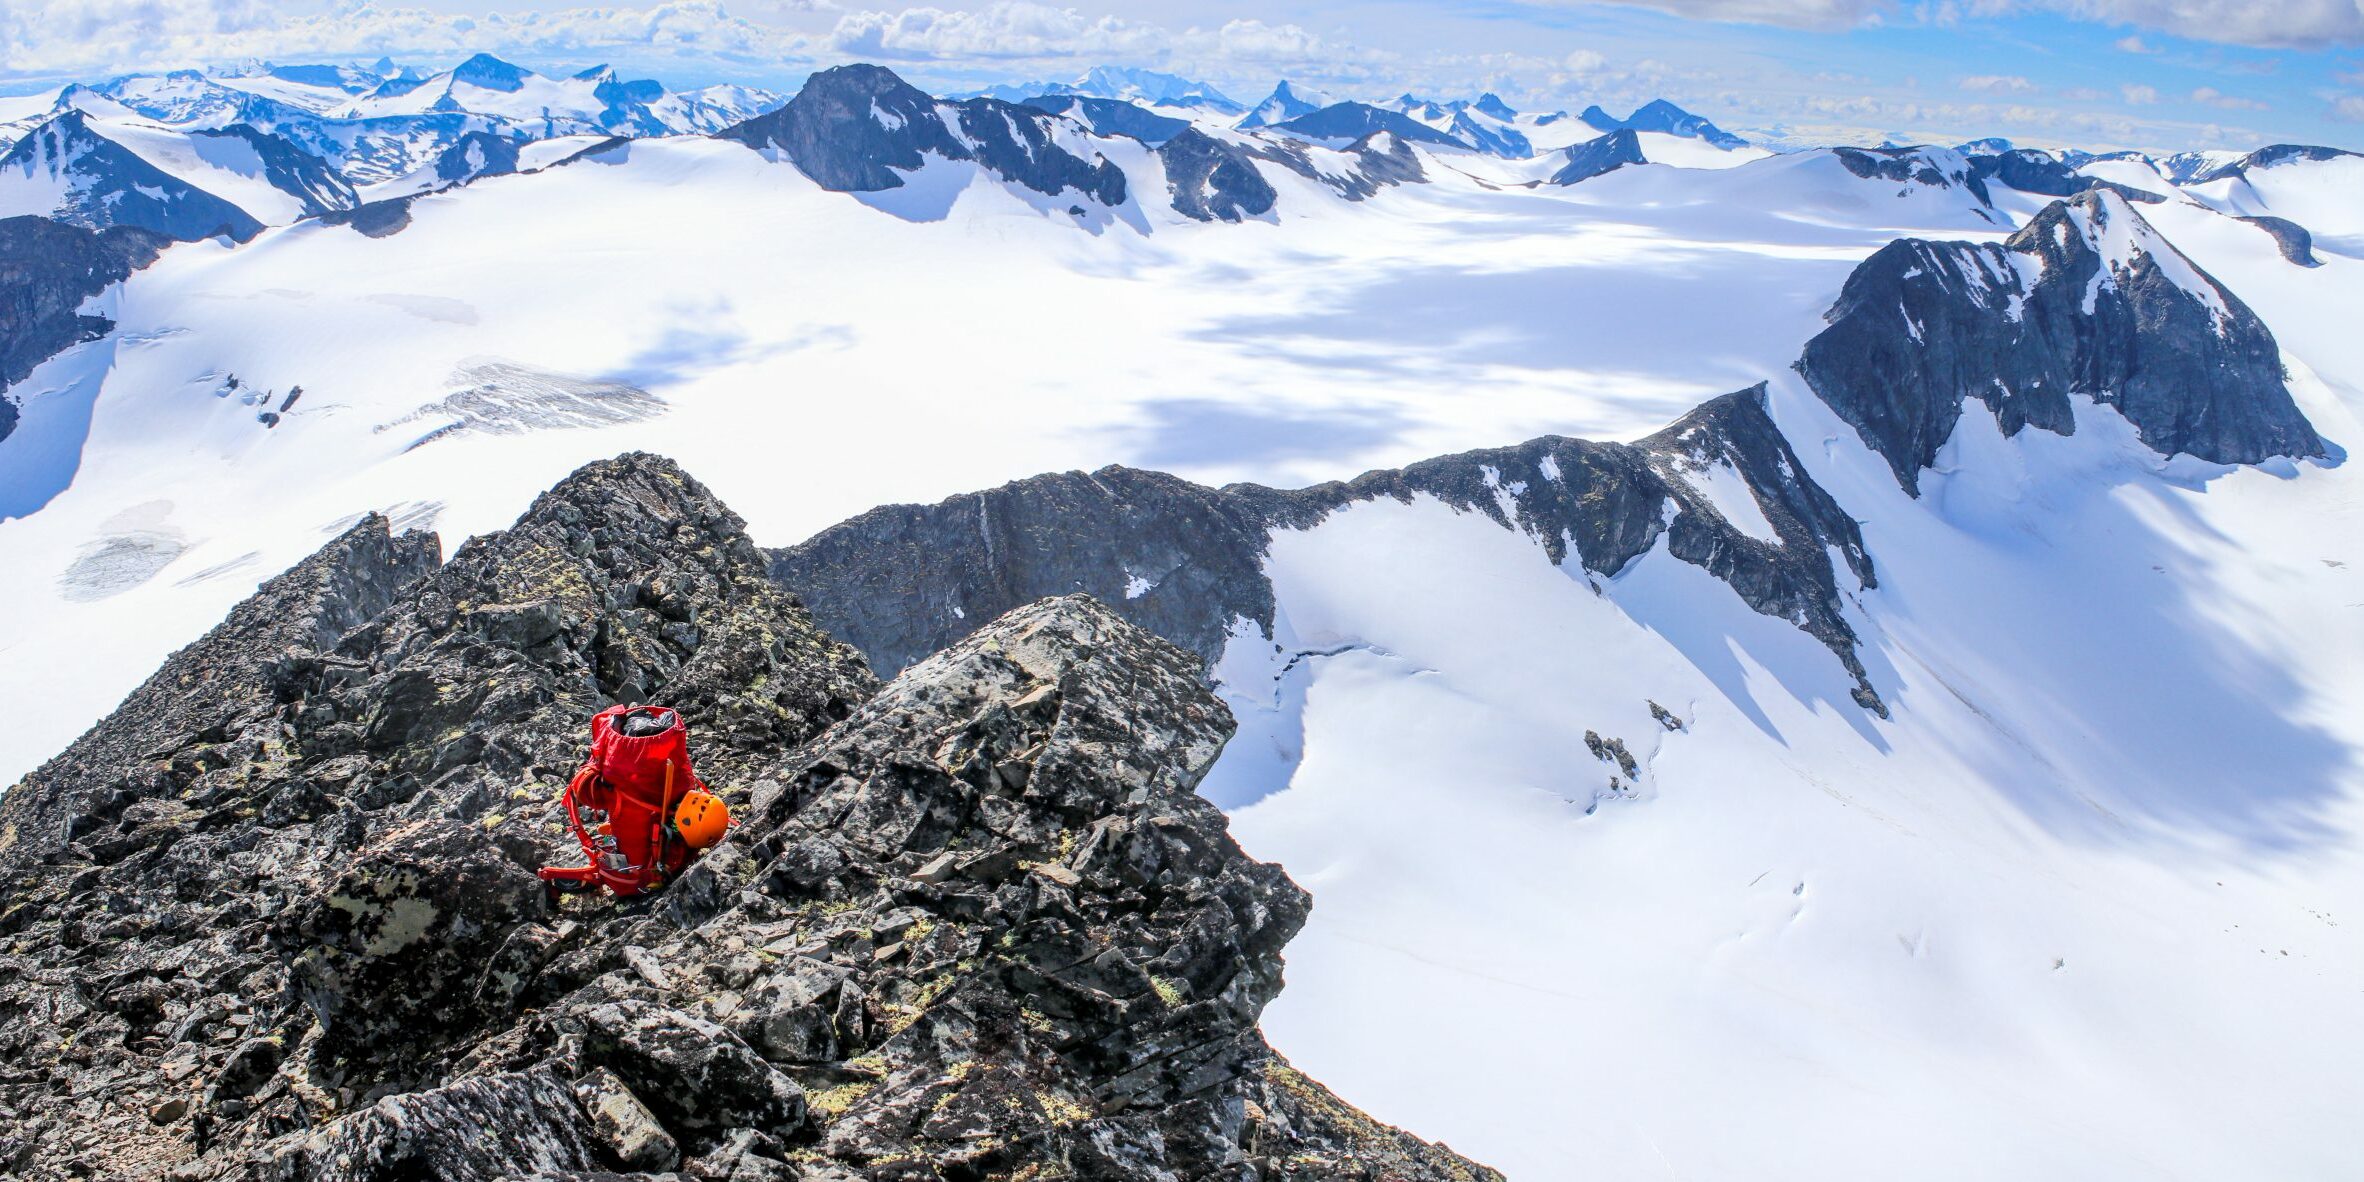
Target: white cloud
x=2297, y=24
x=2132, y=43
x=59, y=37
x=1012, y=29
x=2348, y=108
x=1998, y=84
x=2139, y=95
x=2230, y=102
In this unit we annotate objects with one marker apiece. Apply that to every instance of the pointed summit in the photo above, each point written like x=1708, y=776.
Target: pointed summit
x=491, y=73
x=1282, y=105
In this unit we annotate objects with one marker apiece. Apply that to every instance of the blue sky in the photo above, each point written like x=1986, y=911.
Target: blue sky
x=2151, y=74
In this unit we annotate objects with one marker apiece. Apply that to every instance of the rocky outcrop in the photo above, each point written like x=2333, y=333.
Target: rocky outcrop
x=2086, y=299
x=1186, y=561
x=903, y=581
x=1211, y=180
x=1593, y=157
x=2270, y=156
x=2293, y=240
x=860, y=128
x=214, y=704
x=2032, y=171
x=1346, y=123
x=476, y=154
x=47, y=269
x=1661, y=116
x=1935, y=168
x=975, y=924
x=1107, y=116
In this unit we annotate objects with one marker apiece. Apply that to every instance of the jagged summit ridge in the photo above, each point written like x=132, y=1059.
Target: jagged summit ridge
x=860, y=129
x=977, y=922
x=1186, y=561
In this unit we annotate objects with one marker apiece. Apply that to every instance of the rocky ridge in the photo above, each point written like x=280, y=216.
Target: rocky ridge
x=1186, y=561
x=276, y=918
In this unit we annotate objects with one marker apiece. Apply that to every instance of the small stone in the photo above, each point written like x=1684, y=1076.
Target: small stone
x=1059, y=874
x=937, y=869
x=626, y=1125
x=648, y=966
x=169, y=1111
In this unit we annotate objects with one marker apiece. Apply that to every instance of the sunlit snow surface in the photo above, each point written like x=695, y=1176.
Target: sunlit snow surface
x=2085, y=908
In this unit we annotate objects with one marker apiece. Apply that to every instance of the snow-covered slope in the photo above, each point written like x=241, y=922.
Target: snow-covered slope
x=1612, y=844
x=594, y=100
x=185, y=184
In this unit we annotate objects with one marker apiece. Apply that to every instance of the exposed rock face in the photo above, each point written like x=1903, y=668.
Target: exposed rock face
x=977, y=924
x=47, y=269
x=1596, y=156
x=2270, y=156
x=2031, y=171
x=1348, y=122
x=1214, y=181
x=2293, y=240
x=903, y=581
x=1662, y=116
x=1936, y=168
x=312, y=181
x=213, y=704
x=1107, y=116
x=2086, y=299
x=106, y=184
x=1187, y=561
x=859, y=128
x=477, y=154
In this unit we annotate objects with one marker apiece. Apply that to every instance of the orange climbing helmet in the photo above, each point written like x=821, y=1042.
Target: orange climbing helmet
x=701, y=819
x=636, y=806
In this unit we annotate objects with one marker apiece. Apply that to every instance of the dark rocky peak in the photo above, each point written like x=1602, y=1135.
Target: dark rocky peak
x=976, y=924
x=110, y=185
x=1213, y=180
x=2030, y=170
x=1600, y=120
x=1186, y=561
x=2271, y=156
x=859, y=128
x=1596, y=156
x=491, y=73
x=1490, y=103
x=1993, y=145
x=2086, y=299
x=47, y=270
x=1105, y=116
x=1346, y=123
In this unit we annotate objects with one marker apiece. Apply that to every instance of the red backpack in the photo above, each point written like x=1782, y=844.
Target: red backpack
x=624, y=800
